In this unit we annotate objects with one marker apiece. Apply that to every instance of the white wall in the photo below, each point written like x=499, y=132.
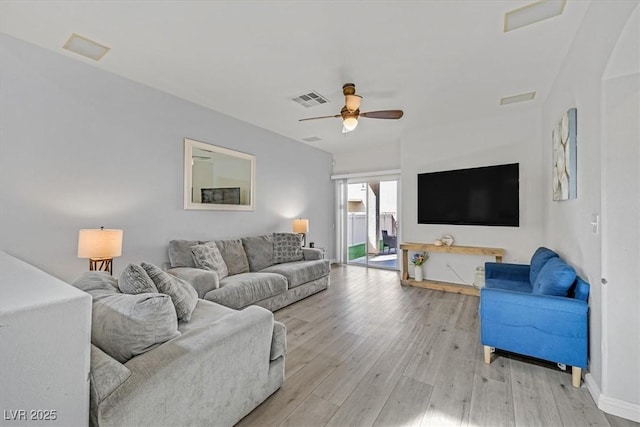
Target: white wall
x=568, y=224
x=378, y=158
x=83, y=148
x=513, y=137
x=621, y=217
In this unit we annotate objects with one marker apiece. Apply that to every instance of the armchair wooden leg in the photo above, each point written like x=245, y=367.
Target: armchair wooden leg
x=487, y=354
x=576, y=376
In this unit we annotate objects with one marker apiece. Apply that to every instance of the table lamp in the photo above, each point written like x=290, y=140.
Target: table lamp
x=301, y=226
x=100, y=246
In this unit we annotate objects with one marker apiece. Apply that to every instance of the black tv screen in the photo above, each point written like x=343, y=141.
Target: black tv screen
x=478, y=196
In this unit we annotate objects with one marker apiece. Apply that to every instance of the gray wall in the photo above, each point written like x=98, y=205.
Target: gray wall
x=568, y=224
x=83, y=148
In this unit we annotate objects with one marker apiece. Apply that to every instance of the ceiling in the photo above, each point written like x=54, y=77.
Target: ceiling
x=439, y=61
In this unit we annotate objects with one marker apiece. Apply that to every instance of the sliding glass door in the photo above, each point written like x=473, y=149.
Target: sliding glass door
x=370, y=222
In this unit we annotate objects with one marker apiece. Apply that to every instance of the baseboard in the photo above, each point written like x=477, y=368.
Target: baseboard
x=619, y=408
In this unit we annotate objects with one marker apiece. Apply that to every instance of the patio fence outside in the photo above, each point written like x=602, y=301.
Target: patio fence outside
x=357, y=236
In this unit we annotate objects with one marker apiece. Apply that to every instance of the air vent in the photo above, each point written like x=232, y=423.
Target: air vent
x=517, y=98
x=310, y=99
x=311, y=139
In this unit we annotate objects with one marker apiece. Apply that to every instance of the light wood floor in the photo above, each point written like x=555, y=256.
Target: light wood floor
x=369, y=352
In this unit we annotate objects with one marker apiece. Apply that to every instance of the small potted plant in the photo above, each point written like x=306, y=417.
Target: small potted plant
x=418, y=260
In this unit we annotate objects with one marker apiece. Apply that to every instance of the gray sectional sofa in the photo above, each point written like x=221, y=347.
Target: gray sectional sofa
x=271, y=271
x=150, y=369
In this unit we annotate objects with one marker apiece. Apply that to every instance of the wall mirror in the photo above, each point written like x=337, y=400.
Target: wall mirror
x=217, y=178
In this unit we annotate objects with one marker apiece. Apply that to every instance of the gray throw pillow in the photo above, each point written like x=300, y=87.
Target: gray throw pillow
x=98, y=284
x=180, y=253
x=234, y=256
x=259, y=251
x=208, y=257
x=123, y=325
x=287, y=247
x=183, y=295
x=134, y=280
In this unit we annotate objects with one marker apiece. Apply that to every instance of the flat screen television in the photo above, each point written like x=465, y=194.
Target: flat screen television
x=478, y=196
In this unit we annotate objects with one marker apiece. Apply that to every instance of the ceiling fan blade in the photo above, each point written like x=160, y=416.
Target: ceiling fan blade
x=323, y=117
x=384, y=114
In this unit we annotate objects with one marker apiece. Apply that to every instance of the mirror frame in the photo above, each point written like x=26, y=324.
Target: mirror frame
x=189, y=145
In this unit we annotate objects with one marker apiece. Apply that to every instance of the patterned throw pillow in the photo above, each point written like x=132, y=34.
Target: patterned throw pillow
x=183, y=295
x=287, y=247
x=134, y=280
x=208, y=257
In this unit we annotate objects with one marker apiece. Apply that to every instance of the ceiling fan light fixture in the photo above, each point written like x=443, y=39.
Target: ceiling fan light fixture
x=352, y=102
x=350, y=123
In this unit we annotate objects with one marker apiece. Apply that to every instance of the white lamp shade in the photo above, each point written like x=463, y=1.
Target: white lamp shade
x=352, y=102
x=99, y=243
x=301, y=225
x=350, y=123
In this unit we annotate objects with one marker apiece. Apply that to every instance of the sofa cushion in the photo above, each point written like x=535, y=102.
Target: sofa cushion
x=124, y=325
x=287, y=247
x=259, y=251
x=555, y=278
x=538, y=260
x=509, y=285
x=234, y=256
x=300, y=272
x=183, y=295
x=208, y=257
x=135, y=280
x=180, y=253
x=241, y=290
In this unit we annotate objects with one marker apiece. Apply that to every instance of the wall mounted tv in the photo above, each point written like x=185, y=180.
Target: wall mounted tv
x=478, y=196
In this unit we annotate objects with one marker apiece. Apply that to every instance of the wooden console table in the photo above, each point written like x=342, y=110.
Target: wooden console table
x=438, y=285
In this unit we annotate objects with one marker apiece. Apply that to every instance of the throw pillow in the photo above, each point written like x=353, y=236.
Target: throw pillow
x=287, y=247
x=538, y=260
x=208, y=257
x=124, y=325
x=234, y=256
x=134, y=280
x=259, y=251
x=98, y=284
x=180, y=253
x=555, y=278
x=183, y=295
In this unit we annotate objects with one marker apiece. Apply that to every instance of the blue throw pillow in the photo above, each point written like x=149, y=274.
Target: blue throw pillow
x=538, y=260
x=555, y=278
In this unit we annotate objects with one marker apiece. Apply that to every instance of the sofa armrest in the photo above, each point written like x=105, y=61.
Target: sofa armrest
x=547, y=327
x=505, y=271
x=209, y=370
x=202, y=280
x=311, y=254
x=106, y=374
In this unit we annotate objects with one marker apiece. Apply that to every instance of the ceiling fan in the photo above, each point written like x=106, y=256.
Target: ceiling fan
x=351, y=110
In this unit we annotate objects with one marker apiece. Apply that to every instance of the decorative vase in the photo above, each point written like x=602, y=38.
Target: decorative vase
x=418, y=273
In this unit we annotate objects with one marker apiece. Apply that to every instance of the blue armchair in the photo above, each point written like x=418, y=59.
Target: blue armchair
x=538, y=310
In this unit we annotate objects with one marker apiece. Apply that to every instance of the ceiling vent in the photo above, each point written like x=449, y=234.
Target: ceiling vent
x=517, y=98
x=311, y=139
x=310, y=99
x=86, y=47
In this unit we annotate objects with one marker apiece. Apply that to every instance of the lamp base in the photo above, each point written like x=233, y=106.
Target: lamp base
x=101, y=264
x=303, y=240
